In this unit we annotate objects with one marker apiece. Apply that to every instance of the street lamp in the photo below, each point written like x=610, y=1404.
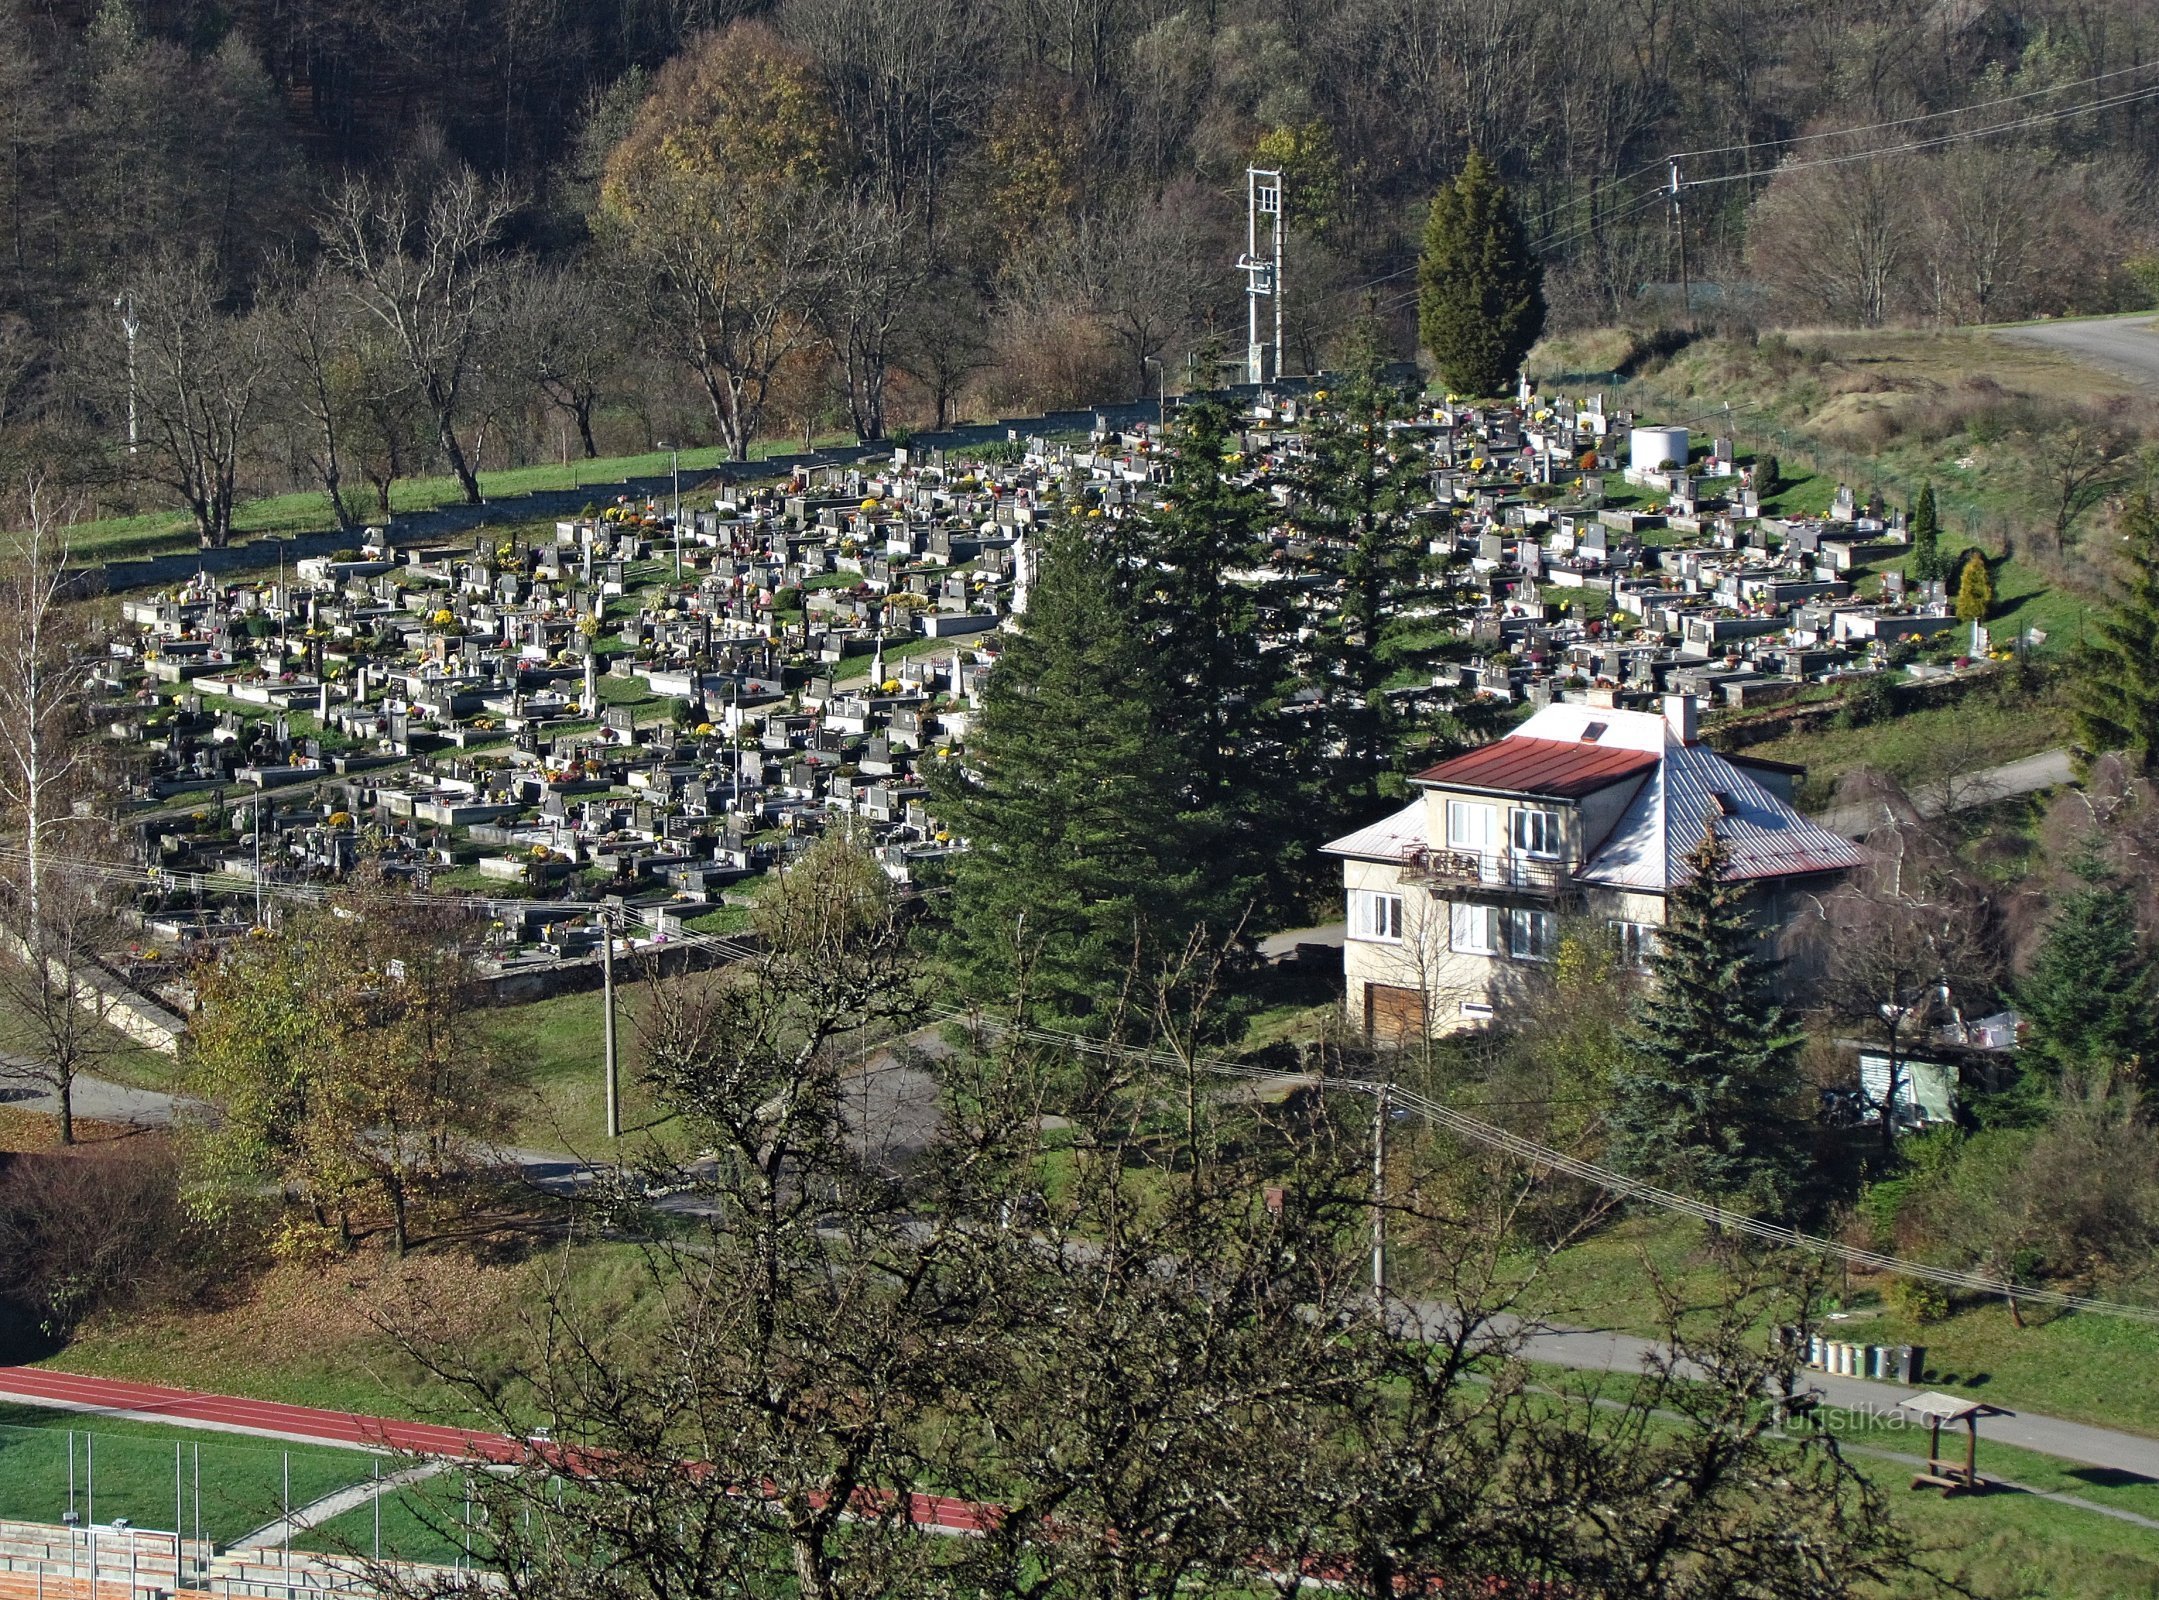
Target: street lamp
x=674, y=467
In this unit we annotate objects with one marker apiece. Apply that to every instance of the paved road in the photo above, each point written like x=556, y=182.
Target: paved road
x=2125, y=346
x=2046, y=770
x=96, y=1100
x=1602, y=1351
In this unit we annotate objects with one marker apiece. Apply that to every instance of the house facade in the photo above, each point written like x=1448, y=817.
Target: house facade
x=1584, y=812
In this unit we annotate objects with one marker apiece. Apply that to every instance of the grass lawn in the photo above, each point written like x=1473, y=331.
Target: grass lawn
x=116, y=538
x=2086, y=1368
x=558, y=1041
x=1918, y=747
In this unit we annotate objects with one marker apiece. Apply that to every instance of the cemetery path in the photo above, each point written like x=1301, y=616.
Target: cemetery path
x=2046, y=770
x=2127, y=346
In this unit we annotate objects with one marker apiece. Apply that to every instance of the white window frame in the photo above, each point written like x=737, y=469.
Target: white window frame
x=1375, y=916
x=1478, y=839
x=1473, y=929
x=1637, y=942
x=1519, y=926
x=1538, y=834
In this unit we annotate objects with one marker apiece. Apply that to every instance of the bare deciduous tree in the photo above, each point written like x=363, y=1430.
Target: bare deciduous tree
x=1911, y=938
x=421, y=266
x=194, y=378
x=46, y=768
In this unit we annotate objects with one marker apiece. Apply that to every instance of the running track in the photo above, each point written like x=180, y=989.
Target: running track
x=224, y=1413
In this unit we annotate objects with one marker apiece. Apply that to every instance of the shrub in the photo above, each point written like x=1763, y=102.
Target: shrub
x=1918, y=1301
x=97, y=1228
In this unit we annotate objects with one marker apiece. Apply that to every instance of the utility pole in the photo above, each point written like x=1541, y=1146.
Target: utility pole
x=1679, y=223
x=1379, y=1197
x=674, y=469
x=131, y=326
x=1263, y=273
x=613, y=1081
x=258, y=857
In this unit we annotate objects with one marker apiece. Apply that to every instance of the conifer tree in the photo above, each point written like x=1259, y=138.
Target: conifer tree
x=1975, y=590
x=1480, y=288
x=1705, y=1104
x=1925, y=565
x=1357, y=490
x=2115, y=688
x=1204, y=618
x=2090, y=993
x=1070, y=798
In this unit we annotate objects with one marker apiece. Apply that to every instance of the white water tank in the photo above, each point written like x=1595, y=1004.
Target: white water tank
x=1649, y=449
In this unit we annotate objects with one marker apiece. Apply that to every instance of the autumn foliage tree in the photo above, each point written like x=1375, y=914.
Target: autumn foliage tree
x=339, y=1060
x=721, y=198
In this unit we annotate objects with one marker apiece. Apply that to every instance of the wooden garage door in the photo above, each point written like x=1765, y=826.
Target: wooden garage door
x=1393, y=1015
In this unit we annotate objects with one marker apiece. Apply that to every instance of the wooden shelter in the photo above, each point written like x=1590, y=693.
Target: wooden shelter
x=1935, y=1409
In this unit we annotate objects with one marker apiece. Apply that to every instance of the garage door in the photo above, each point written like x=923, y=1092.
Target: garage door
x=1393, y=1015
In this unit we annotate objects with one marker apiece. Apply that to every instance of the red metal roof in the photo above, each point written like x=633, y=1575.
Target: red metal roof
x=1554, y=767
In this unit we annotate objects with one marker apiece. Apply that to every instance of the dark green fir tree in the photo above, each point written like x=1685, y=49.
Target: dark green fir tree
x=2089, y=995
x=1080, y=860
x=1357, y=491
x=1205, y=618
x=1925, y=565
x=2114, y=689
x=1480, y=288
x=1706, y=1104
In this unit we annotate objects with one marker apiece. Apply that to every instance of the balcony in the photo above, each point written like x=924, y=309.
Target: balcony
x=1489, y=872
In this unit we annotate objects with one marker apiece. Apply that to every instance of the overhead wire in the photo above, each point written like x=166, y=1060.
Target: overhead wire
x=1438, y=1113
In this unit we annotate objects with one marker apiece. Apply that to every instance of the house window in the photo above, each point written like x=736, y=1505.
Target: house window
x=1469, y=826
x=1473, y=930
x=1532, y=935
x=1536, y=833
x=1375, y=916
x=1637, y=942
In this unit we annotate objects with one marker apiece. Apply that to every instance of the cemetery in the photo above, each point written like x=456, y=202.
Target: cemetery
x=635, y=713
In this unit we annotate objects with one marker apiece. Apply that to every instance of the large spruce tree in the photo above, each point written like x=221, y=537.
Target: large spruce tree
x=1706, y=1105
x=2089, y=995
x=2115, y=685
x=1358, y=490
x=1480, y=288
x=1071, y=799
x=1207, y=616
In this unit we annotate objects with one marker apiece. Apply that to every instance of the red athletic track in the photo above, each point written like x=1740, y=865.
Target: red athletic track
x=938, y=1513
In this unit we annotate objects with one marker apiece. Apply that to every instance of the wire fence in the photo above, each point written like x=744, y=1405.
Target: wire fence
x=217, y=1493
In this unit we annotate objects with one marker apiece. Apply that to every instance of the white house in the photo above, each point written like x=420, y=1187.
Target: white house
x=1584, y=811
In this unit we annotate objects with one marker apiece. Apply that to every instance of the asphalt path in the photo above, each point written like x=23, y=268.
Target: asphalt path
x=2047, y=770
x=892, y=1106
x=2125, y=346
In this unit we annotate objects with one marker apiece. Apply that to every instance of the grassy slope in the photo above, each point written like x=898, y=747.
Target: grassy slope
x=2088, y=1368
x=116, y=538
x=1913, y=748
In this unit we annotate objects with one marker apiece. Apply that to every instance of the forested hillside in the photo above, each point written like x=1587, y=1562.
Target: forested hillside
x=935, y=206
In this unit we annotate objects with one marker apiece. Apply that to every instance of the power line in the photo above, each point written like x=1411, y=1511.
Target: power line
x=1605, y=1178
x=1906, y=122
x=1940, y=141
x=1433, y=1111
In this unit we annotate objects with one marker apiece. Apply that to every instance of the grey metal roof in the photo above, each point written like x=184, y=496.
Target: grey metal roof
x=1389, y=839
x=1692, y=788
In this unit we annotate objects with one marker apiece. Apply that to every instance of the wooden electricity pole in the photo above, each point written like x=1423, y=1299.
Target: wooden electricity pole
x=613, y=1086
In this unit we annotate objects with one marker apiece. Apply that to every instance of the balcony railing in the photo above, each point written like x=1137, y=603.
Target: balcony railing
x=1489, y=869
